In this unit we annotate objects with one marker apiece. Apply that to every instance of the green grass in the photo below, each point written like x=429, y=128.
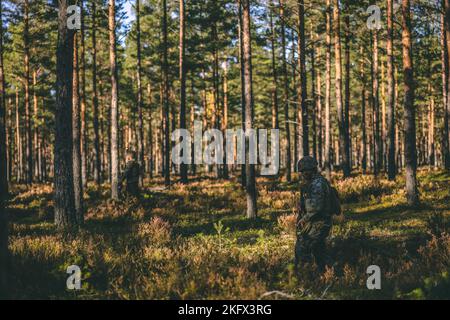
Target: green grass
x=194, y=242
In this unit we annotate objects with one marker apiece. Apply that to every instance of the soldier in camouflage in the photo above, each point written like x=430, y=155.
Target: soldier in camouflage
x=315, y=220
x=131, y=175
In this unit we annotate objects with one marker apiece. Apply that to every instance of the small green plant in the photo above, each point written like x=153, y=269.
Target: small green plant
x=221, y=230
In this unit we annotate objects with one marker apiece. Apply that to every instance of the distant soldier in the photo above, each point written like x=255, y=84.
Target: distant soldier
x=131, y=175
x=318, y=203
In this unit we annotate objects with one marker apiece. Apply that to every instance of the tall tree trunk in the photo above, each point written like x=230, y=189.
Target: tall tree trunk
x=140, y=124
x=391, y=94
x=65, y=214
x=76, y=134
x=444, y=76
x=183, y=166
x=3, y=141
x=275, y=120
x=96, y=151
x=4, y=255
x=248, y=82
x=103, y=135
x=26, y=50
x=216, y=92
x=338, y=84
x=431, y=128
x=114, y=102
x=167, y=161
x=378, y=150
x=9, y=137
x=19, y=145
x=412, y=193
x=286, y=93
x=303, y=138
x=347, y=163
x=35, y=128
x=150, y=131
x=314, y=96
x=446, y=40
x=192, y=119
x=328, y=92
x=162, y=148
x=319, y=111
x=241, y=62
x=296, y=95
x=363, y=114
x=225, y=119
x=83, y=128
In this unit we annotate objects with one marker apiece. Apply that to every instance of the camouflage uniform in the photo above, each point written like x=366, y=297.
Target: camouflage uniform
x=314, y=224
x=132, y=175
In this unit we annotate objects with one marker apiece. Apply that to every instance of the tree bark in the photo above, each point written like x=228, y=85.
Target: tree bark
x=225, y=119
x=314, y=97
x=28, y=126
x=35, y=129
x=4, y=254
x=275, y=120
x=347, y=163
x=392, y=170
x=9, y=139
x=327, y=164
x=76, y=135
x=338, y=84
x=167, y=165
x=319, y=111
x=241, y=62
x=248, y=83
x=114, y=103
x=431, y=128
x=19, y=152
x=183, y=166
x=140, y=124
x=83, y=128
x=286, y=94
x=3, y=142
x=303, y=138
x=65, y=214
x=412, y=193
x=363, y=114
x=446, y=133
x=96, y=151
x=150, y=131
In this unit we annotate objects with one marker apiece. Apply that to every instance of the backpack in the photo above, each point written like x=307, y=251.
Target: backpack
x=335, y=202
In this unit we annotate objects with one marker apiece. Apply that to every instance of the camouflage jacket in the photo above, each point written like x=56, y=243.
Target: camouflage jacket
x=132, y=173
x=314, y=202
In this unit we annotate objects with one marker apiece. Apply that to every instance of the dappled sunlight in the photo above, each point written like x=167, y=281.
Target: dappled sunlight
x=194, y=242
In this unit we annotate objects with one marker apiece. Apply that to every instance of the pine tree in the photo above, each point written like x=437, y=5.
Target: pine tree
x=114, y=102
x=65, y=213
x=391, y=94
x=412, y=193
x=250, y=185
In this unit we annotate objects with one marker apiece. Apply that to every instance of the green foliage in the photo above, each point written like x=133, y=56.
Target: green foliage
x=168, y=247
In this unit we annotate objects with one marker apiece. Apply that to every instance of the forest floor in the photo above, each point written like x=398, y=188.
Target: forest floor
x=194, y=242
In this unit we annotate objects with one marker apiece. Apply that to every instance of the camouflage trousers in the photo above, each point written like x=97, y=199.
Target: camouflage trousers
x=311, y=244
x=132, y=189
